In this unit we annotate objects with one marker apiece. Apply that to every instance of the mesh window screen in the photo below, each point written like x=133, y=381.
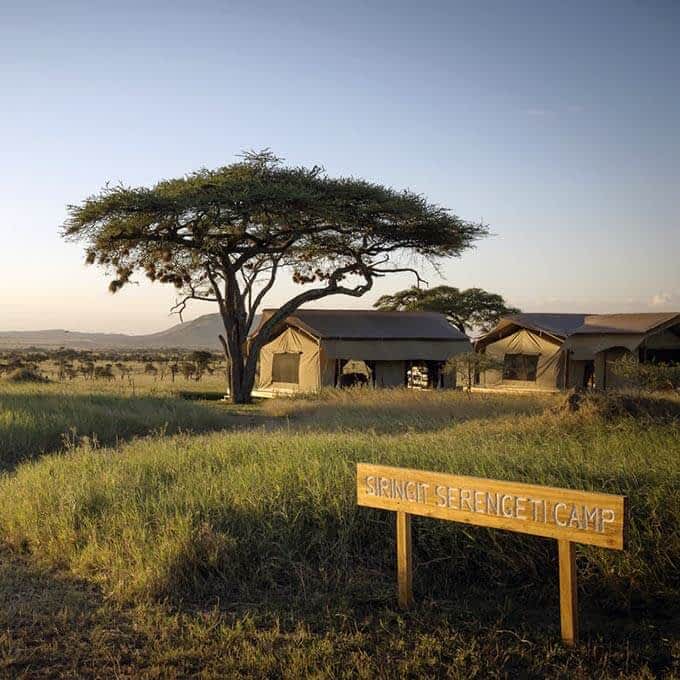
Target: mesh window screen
x=286, y=368
x=520, y=367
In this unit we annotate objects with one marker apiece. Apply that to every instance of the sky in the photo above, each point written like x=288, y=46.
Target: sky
x=556, y=123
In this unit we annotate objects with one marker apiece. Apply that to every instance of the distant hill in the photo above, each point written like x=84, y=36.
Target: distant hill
x=201, y=333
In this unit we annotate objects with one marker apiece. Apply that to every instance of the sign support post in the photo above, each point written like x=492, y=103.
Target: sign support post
x=568, y=594
x=404, y=560
x=566, y=515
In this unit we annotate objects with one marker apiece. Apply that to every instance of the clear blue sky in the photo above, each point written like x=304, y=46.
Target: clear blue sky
x=555, y=122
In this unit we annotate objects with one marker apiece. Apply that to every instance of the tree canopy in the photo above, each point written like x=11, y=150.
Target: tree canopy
x=468, y=309
x=225, y=235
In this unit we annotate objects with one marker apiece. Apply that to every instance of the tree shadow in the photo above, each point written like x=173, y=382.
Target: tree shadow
x=280, y=577
x=32, y=425
x=54, y=625
x=394, y=416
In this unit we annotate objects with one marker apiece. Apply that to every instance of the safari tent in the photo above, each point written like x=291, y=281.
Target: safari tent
x=558, y=351
x=314, y=348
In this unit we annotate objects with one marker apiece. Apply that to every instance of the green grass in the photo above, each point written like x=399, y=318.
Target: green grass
x=38, y=419
x=243, y=552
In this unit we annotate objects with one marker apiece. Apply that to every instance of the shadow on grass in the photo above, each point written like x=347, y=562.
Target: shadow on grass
x=485, y=599
x=386, y=416
x=35, y=424
x=468, y=631
x=318, y=587
x=53, y=625
x=491, y=592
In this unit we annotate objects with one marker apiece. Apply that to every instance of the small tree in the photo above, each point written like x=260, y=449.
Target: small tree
x=150, y=369
x=471, y=364
x=188, y=370
x=473, y=308
x=225, y=235
x=201, y=360
x=104, y=372
x=62, y=365
x=86, y=369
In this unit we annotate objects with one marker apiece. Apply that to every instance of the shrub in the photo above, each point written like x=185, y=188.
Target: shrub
x=26, y=375
x=647, y=376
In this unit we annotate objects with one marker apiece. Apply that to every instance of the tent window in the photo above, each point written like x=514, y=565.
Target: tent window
x=661, y=356
x=286, y=368
x=520, y=367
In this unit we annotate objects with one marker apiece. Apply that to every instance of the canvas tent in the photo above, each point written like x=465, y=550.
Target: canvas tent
x=556, y=351
x=314, y=348
x=604, y=338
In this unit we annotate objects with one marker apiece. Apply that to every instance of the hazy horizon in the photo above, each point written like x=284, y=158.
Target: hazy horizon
x=556, y=124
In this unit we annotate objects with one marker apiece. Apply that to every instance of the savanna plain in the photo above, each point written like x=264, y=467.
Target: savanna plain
x=145, y=534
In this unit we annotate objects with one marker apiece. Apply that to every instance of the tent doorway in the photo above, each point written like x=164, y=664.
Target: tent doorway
x=588, y=375
x=424, y=374
x=352, y=372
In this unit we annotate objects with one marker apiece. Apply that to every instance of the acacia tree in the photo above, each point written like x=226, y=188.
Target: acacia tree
x=472, y=308
x=225, y=235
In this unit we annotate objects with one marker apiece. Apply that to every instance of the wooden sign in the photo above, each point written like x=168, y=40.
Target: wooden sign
x=569, y=516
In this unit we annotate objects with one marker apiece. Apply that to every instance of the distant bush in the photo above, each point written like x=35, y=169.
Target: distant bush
x=647, y=376
x=658, y=407
x=26, y=375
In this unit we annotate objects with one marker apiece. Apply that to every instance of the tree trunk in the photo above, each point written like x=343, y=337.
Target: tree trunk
x=241, y=370
x=242, y=382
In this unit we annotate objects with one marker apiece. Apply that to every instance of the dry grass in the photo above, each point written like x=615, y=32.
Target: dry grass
x=243, y=553
x=36, y=419
x=400, y=410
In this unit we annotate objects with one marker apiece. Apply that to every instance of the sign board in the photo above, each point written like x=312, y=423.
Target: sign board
x=580, y=516
x=566, y=515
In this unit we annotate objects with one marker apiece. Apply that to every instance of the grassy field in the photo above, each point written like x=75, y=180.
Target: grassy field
x=35, y=419
x=242, y=552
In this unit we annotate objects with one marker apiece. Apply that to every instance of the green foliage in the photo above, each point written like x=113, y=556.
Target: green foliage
x=35, y=419
x=472, y=308
x=224, y=235
x=647, y=376
x=257, y=208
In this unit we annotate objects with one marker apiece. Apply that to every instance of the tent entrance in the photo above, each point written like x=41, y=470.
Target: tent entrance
x=352, y=372
x=424, y=374
x=588, y=382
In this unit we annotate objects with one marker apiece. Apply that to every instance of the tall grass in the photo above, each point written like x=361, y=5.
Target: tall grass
x=269, y=516
x=389, y=410
x=38, y=419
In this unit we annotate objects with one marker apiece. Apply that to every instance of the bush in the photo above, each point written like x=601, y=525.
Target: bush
x=26, y=375
x=647, y=376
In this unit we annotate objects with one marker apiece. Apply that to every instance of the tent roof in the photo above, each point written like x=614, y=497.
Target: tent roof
x=624, y=323
x=562, y=326
x=368, y=324
x=559, y=325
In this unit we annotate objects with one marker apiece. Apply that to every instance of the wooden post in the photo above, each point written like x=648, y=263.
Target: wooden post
x=404, y=560
x=568, y=596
